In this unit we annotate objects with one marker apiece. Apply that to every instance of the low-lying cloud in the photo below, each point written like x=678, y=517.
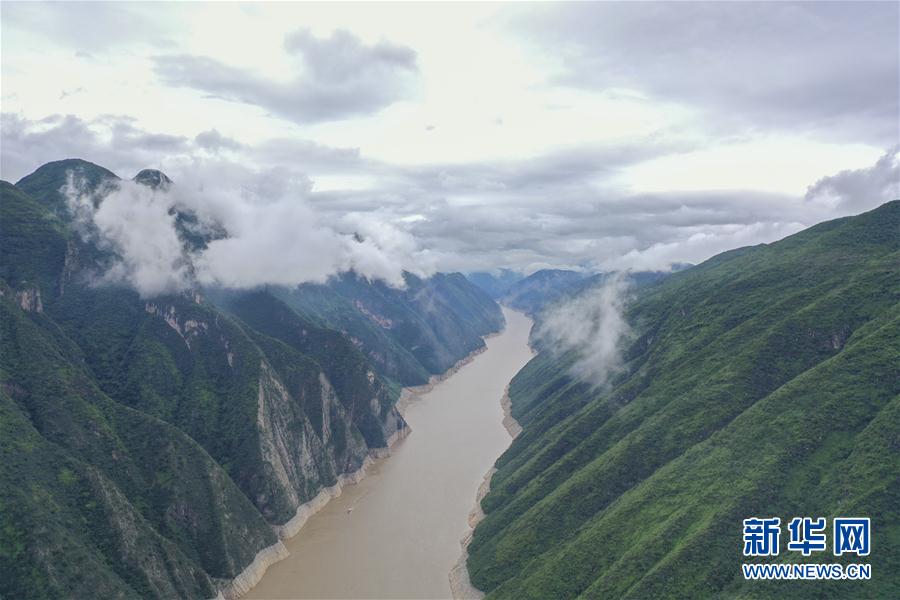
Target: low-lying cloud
x=273, y=238
x=551, y=211
x=138, y=226
x=593, y=327
x=859, y=189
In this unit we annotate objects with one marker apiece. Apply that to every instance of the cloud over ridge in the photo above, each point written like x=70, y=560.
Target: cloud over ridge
x=249, y=240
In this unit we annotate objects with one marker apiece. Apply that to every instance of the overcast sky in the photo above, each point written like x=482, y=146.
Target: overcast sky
x=587, y=135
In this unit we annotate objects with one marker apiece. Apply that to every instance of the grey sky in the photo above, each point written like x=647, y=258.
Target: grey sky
x=337, y=77
x=801, y=66
x=594, y=135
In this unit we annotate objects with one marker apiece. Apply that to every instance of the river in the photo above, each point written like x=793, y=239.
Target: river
x=396, y=533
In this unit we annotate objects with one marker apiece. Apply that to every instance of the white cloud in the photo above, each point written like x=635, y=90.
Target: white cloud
x=136, y=224
x=338, y=77
x=698, y=246
x=859, y=189
x=528, y=140
x=592, y=326
x=273, y=237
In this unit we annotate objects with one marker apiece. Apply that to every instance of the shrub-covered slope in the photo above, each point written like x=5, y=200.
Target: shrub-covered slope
x=763, y=382
x=150, y=447
x=162, y=439
x=100, y=500
x=408, y=334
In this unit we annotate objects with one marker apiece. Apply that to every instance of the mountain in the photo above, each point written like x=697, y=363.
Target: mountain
x=46, y=184
x=153, y=179
x=540, y=288
x=763, y=382
x=544, y=288
x=495, y=284
x=159, y=447
x=408, y=334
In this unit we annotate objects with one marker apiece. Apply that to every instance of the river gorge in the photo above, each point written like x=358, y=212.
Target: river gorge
x=396, y=533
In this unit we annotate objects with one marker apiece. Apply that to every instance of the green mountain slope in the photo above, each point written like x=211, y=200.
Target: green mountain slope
x=99, y=500
x=408, y=334
x=171, y=439
x=548, y=287
x=762, y=382
x=46, y=184
x=152, y=447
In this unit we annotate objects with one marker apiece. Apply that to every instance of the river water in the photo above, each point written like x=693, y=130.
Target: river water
x=396, y=533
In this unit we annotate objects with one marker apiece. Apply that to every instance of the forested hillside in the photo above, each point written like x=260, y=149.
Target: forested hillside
x=545, y=288
x=410, y=333
x=764, y=381
x=152, y=447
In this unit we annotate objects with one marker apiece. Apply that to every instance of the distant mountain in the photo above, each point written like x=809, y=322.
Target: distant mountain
x=408, y=334
x=495, y=284
x=544, y=288
x=763, y=382
x=152, y=447
x=541, y=288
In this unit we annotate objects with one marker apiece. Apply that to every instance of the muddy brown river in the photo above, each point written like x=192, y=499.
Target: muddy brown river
x=396, y=533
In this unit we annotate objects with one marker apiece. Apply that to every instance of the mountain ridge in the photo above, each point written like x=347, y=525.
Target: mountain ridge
x=748, y=385
x=168, y=441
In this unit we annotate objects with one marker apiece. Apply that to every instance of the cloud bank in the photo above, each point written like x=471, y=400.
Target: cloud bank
x=550, y=211
x=138, y=226
x=858, y=189
x=251, y=239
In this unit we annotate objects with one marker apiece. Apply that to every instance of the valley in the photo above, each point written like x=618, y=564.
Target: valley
x=450, y=300
x=400, y=527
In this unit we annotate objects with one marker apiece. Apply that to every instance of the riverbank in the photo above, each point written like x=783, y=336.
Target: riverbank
x=268, y=556
x=400, y=526
x=460, y=585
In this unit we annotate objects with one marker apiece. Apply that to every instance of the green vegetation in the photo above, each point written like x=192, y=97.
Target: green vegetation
x=408, y=334
x=546, y=287
x=150, y=447
x=33, y=244
x=46, y=184
x=763, y=382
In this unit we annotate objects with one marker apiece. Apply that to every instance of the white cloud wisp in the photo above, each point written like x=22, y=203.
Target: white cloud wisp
x=592, y=326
